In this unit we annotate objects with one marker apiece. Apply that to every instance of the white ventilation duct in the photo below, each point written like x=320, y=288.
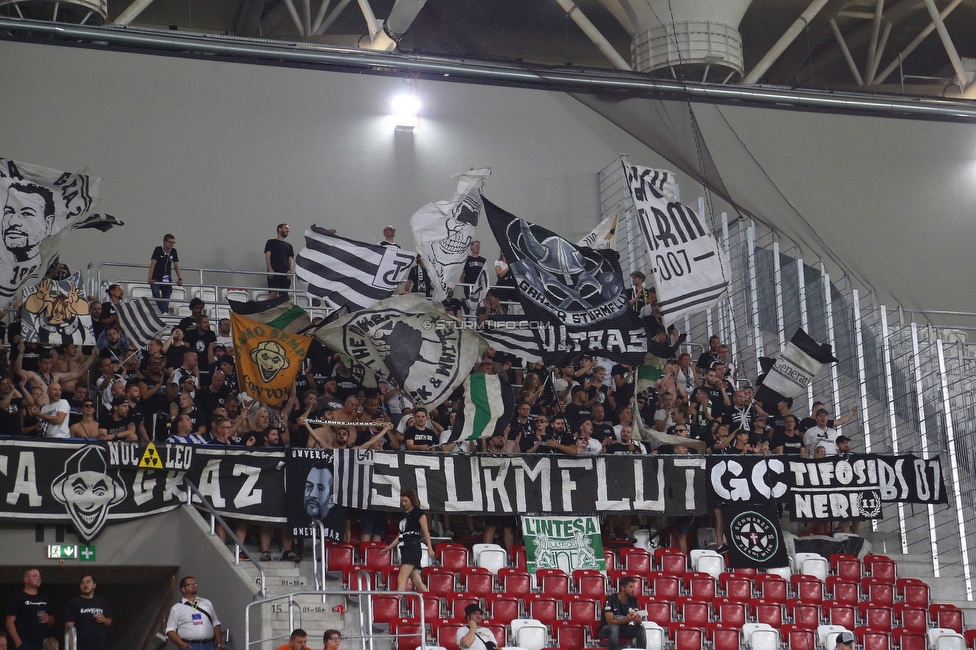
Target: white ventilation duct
x=701, y=37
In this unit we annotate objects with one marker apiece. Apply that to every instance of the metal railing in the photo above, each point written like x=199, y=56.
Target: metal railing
x=238, y=543
x=367, y=638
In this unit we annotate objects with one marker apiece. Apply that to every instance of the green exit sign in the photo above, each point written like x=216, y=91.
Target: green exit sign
x=62, y=551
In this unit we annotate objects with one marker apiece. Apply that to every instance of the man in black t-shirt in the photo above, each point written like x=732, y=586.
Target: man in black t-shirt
x=90, y=615
x=472, y=266
x=627, y=444
x=602, y=430
x=29, y=618
x=577, y=411
x=279, y=257
x=10, y=401
x=789, y=441
x=117, y=425
x=620, y=617
x=162, y=264
x=212, y=396
x=417, y=436
x=419, y=280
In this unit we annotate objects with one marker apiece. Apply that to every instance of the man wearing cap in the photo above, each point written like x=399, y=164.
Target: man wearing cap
x=388, y=234
x=845, y=641
x=117, y=425
x=279, y=257
x=475, y=637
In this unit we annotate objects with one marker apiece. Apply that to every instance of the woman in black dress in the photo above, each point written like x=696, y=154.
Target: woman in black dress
x=413, y=529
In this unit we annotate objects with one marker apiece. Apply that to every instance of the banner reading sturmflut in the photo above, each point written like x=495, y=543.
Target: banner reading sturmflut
x=689, y=270
x=567, y=543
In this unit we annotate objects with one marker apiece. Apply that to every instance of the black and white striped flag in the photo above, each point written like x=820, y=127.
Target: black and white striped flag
x=348, y=272
x=140, y=320
x=353, y=472
x=511, y=335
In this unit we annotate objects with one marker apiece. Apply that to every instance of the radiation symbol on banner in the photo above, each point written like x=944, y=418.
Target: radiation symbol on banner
x=150, y=458
x=754, y=536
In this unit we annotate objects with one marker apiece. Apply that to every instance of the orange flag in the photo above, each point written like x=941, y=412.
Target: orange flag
x=268, y=359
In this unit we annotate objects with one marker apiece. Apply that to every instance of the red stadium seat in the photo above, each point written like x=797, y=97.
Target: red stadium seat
x=846, y=567
x=432, y=606
x=441, y=583
x=657, y=611
x=725, y=638
x=671, y=561
x=585, y=611
x=738, y=589
x=871, y=639
x=496, y=629
x=878, y=591
x=970, y=638
x=730, y=612
x=408, y=634
x=375, y=559
x=446, y=635
x=772, y=587
x=949, y=618
x=843, y=591
x=840, y=614
x=339, y=556
x=456, y=602
x=797, y=639
x=569, y=635
x=477, y=581
x=514, y=581
x=881, y=567
x=617, y=574
x=517, y=554
x=906, y=640
x=386, y=608
x=766, y=612
x=635, y=559
x=353, y=578
x=876, y=617
x=554, y=585
x=916, y=593
x=436, y=623
x=745, y=572
x=695, y=613
x=504, y=610
x=453, y=558
x=611, y=559
x=666, y=586
x=545, y=610
x=913, y=619
x=591, y=586
x=688, y=638
x=701, y=586
x=807, y=616
x=807, y=588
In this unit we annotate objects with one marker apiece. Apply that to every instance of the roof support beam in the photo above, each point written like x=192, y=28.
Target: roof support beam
x=320, y=16
x=874, y=63
x=324, y=26
x=131, y=12
x=915, y=43
x=594, y=34
x=847, y=52
x=947, y=43
x=295, y=17
x=784, y=42
x=875, y=32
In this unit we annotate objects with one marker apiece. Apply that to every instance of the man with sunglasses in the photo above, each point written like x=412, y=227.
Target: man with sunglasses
x=87, y=427
x=192, y=622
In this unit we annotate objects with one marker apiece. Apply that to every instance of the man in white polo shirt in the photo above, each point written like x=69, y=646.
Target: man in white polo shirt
x=54, y=414
x=192, y=622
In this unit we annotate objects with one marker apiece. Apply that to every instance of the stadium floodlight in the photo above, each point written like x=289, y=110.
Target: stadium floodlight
x=405, y=108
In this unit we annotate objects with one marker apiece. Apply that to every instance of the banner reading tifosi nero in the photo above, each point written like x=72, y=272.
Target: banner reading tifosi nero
x=92, y=485
x=567, y=543
x=541, y=484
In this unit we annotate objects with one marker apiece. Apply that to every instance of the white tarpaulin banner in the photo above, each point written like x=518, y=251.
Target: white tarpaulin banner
x=444, y=231
x=603, y=236
x=689, y=270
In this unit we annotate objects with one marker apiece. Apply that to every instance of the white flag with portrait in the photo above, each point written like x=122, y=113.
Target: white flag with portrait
x=444, y=231
x=38, y=205
x=689, y=270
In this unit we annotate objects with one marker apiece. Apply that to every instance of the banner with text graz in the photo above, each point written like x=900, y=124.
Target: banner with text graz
x=567, y=543
x=94, y=484
x=541, y=483
x=310, y=494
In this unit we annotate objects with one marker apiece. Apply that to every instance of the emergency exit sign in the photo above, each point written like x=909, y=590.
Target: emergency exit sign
x=83, y=552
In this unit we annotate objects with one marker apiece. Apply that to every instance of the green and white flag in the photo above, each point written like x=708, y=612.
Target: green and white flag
x=280, y=313
x=489, y=406
x=567, y=543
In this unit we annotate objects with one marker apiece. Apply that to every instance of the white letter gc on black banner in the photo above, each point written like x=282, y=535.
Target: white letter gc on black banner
x=541, y=484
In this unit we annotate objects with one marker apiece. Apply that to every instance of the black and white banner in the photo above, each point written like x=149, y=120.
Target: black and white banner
x=91, y=485
x=140, y=320
x=353, y=475
x=690, y=271
x=310, y=486
x=549, y=484
x=797, y=365
x=512, y=335
x=577, y=294
x=350, y=273
x=55, y=312
x=754, y=535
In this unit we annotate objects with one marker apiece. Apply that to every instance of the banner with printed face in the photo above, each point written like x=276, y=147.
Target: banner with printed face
x=566, y=543
x=689, y=270
x=268, y=359
x=95, y=484
x=55, y=312
x=38, y=204
x=310, y=494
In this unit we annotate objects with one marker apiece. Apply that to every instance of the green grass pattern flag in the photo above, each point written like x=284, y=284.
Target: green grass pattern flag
x=567, y=543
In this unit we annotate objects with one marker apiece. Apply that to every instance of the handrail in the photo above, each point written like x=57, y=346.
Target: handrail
x=238, y=544
x=366, y=636
x=70, y=638
x=318, y=542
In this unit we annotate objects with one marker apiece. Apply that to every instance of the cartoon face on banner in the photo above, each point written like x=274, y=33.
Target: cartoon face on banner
x=37, y=203
x=577, y=285
x=56, y=312
x=87, y=490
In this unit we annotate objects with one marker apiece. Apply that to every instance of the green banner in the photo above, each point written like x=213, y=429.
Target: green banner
x=567, y=543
